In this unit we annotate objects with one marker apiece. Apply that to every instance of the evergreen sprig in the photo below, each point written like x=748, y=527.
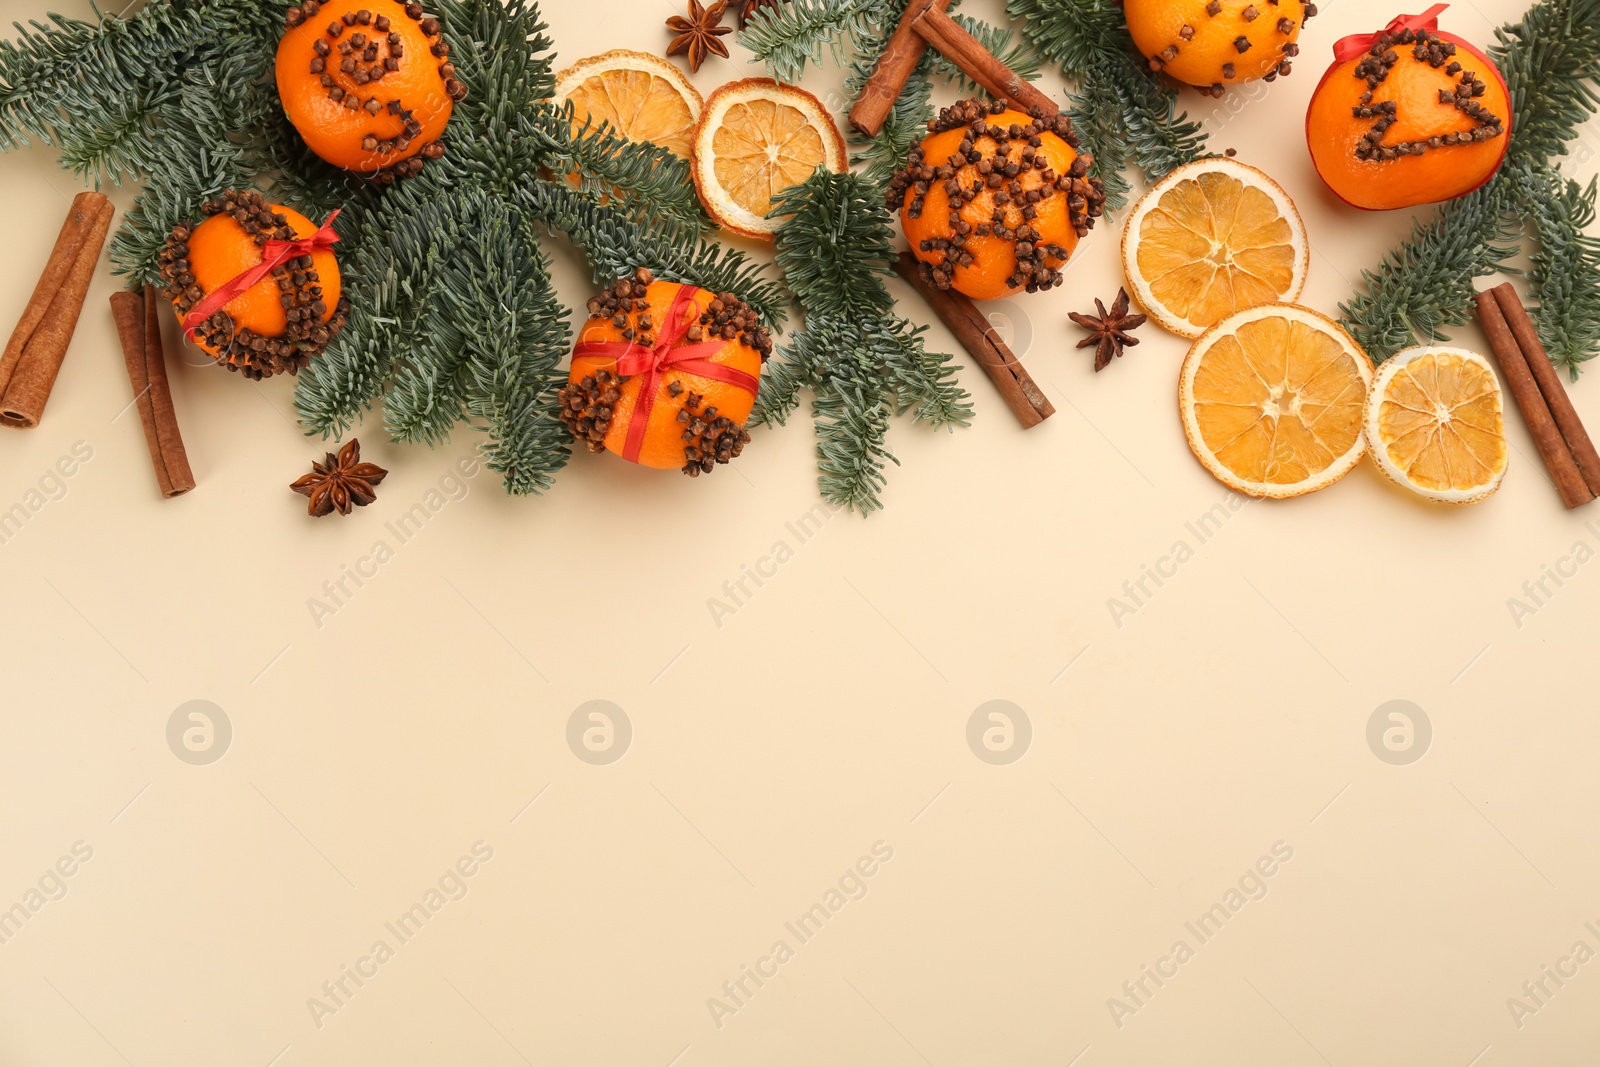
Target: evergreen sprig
x=1565, y=269
x=1550, y=59
x=788, y=36
x=862, y=362
x=453, y=316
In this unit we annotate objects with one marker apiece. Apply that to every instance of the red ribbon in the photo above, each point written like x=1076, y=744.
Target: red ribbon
x=630, y=359
x=1350, y=47
x=273, y=255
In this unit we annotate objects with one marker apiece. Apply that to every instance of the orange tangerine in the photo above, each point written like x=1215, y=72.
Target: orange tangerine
x=369, y=84
x=987, y=211
x=701, y=386
x=1420, y=116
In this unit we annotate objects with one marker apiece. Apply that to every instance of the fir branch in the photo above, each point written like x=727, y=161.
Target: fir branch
x=494, y=315
x=1565, y=268
x=73, y=74
x=1123, y=114
x=862, y=362
x=790, y=35
x=1425, y=284
x=1096, y=111
x=1550, y=60
x=386, y=254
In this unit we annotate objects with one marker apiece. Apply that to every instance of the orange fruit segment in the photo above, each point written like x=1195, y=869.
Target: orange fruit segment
x=1435, y=424
x=1272, y=400
x=1209, y=239
x=641, y=97
x=755, y=139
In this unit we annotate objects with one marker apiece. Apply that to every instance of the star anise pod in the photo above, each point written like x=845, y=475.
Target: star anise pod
x=340, y=482
x=697, y=35
x=1109, y=333
x=748, y=11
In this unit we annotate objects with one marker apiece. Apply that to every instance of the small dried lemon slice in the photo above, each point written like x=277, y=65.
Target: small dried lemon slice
x=757, y=138
x=1272, y=399
x=1209, y=239
x=642, y=98
x=1435, y=424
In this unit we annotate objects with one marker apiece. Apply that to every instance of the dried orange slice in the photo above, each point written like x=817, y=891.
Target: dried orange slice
x=1272, y=399
x=642, y=97
x=755, y=139
x=1434, y=423
x=1209, y=239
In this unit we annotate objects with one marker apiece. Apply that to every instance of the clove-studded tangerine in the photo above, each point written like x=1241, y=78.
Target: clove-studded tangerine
x=274, y=325
x=1212, y=44
x=1409, y=115
x=369, y=84
x=993, y=201
x=665, y=375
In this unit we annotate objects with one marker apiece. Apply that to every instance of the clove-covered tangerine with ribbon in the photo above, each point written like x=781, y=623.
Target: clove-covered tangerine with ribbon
x=665, y=375
x=256, y=285
x=1408, y=115
x=369, y=84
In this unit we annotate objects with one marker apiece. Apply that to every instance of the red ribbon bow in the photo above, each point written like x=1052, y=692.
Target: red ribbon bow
x=1346, y=48
x=630, y=359
x=273, y=255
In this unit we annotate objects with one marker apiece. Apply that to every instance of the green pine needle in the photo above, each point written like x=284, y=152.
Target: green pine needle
x=789, y=36
x=862, y=362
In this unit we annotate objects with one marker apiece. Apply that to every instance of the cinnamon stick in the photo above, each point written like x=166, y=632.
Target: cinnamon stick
x=1531, y=402
x=978, y=336
x=899, y=59
x=1555, y=393
x=978, y=63
x=139, y=329
x=38, y=345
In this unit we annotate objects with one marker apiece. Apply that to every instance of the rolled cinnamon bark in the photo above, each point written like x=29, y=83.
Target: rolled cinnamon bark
x=1555, y=393
x=34, y=354
x=139, y=329
x=978, y=336
x=1530, y=401
x=978, y=63
x=899, y=59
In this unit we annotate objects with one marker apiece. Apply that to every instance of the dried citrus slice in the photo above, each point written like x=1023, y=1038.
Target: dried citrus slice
x=1434, y=424
x=1209, y=239
x=757, y=138
x=642, y=97
x=1272, y=399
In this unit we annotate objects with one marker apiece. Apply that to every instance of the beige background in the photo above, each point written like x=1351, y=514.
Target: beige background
x=770, y=752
